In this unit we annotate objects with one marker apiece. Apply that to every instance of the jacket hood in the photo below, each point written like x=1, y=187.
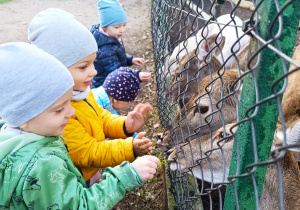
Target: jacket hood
x=16, y=154
x=101, y=38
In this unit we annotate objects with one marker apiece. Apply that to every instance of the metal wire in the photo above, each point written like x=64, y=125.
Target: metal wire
x=199, y=92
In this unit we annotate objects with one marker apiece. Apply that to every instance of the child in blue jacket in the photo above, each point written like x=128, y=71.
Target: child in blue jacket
x=111, y=52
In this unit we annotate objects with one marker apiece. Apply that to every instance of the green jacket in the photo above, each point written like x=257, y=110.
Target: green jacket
x=36, y=172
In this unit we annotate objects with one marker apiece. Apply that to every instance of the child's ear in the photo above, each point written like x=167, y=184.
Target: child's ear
x=114, y=101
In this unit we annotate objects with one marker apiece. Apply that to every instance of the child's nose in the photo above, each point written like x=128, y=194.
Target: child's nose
x=123, y=29
x=71, y=111
x=93, y=71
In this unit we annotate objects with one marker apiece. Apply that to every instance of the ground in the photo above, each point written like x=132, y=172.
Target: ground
x=15, y=17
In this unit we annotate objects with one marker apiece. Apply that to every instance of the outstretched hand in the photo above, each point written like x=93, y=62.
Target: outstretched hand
x=146, y=166
x=138, y=61
x=145, y=76
x=136, y=119
x=141, y=145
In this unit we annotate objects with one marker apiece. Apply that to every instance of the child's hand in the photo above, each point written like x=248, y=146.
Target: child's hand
x=136, y=119
x=145, y=76
x=146, y=166
x=142, y=145
x=138, y=61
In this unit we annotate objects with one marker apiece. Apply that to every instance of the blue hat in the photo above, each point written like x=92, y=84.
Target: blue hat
x=31, y=81
x=61, y=35
x=111, y=13
x=122, y=84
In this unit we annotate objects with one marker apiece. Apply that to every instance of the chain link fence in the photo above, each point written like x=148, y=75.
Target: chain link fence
x=228, y=98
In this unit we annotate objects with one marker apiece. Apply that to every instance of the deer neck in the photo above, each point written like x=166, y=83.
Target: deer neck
x=291, y=184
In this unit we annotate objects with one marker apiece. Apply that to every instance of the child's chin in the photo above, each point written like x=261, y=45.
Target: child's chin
x=82, y=89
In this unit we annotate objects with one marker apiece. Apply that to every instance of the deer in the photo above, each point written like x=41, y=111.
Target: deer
x=215, y=164
x=204, y=112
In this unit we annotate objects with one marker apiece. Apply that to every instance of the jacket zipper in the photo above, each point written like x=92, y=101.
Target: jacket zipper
x=90, y=105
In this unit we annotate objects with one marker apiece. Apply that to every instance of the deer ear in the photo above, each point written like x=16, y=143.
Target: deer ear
x=183, y=61
x=210, y=42
x=215, y=64
x=242, y=57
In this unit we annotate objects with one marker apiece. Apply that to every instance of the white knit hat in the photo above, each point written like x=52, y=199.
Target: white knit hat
x=31, y=81
x=61, y=35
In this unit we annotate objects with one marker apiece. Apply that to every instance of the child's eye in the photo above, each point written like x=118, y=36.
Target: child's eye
x=59, y=110
x=83, y=67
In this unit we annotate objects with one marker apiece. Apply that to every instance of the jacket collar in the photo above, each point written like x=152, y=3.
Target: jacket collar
x=101, y=38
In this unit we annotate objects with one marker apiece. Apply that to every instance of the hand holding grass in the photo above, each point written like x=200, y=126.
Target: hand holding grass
x=142, y=145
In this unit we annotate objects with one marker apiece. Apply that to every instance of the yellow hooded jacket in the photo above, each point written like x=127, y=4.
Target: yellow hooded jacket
x=85, y=135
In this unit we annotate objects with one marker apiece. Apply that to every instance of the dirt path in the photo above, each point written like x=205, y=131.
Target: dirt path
x=15, y=17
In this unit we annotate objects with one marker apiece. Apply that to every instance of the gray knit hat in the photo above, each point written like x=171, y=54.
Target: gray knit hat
x=60, y=34
x=31, y=81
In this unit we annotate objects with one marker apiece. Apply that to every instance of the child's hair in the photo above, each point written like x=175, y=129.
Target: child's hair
x=31, y=81
x=111, y=13
x=64, y=45
x=122, y=84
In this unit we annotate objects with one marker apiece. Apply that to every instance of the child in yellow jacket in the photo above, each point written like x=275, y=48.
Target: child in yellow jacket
x=61, y=35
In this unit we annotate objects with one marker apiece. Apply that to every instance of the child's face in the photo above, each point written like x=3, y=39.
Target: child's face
x=118, y=105
x=83, y=72
x=53, y=120
x=116, y=31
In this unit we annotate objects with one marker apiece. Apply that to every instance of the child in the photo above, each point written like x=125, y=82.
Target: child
x=35, y=168
x=111, y=52
x=61, y=35
x=119, y=88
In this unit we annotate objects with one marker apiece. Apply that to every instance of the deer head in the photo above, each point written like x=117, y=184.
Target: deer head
x=204, y=112
x=186, y=80
x=204, y=155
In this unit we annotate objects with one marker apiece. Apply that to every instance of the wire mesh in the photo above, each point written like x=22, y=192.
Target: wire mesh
x=205, y=53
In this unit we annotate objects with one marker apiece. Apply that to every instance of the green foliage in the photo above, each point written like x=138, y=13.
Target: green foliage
x=141, y=193
x=4, y=1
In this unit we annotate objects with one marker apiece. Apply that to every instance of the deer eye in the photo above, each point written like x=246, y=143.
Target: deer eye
x=203, y=109
x=227, y=137
x=221, y=135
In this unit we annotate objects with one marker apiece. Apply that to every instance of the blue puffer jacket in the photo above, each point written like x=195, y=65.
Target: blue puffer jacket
x=110, y=56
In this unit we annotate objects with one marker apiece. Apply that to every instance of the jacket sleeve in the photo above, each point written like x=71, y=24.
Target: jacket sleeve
x=129, y=60
x=112, y=124
x=87, y=151
x=107, y=60
x=137, y=74
x=56, y=187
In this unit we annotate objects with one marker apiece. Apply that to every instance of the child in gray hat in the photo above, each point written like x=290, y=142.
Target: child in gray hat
x=35, y=168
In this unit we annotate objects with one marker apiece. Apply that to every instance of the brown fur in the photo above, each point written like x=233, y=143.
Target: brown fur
x=291, y=96
x=192, y=110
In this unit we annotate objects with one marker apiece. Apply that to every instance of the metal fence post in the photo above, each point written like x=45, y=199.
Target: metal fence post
x=265, y=119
